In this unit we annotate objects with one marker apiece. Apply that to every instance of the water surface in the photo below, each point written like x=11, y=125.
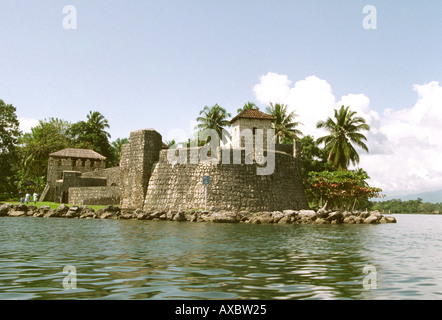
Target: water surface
x=120, y=259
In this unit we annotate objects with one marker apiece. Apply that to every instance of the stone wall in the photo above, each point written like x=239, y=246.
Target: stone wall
x=287, y=148
x=148, y=179
x=238, y=141
x=109, y=195
x=74, y=179
x=112, y=175
x=136, y=161
x=56, y=166
x=232, y=186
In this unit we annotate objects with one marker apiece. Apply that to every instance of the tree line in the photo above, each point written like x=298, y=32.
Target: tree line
x=410, y=206
x=24, y=156
x=324, y=161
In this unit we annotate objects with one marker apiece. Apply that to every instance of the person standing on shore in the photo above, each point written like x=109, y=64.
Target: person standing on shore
x=27, y=198
x=35, y=195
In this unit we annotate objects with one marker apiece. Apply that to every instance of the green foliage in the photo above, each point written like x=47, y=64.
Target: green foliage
x=410, y=206
x=171, y=143
x=23, y=158
x=24, y=162
x=335, y=184
x=284, y=125
x=215, y=118
x=47, y=137
x=9, y=157
x=313, y=158
x=117, y=146
x=54, y=205
x=92, y=134
x=8, y=196
x=341, y=188
x=55, y=134
x=248, y=106
x=343, y=132
x=9, y=128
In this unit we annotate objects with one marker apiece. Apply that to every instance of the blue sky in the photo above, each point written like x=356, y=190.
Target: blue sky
x=156, y=64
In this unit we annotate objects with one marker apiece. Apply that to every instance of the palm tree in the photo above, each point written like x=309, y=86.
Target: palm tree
x=117, y=146
x=284, y=125
x=248, y=106
x=214, y=118
x=48, y=136
x=91, y=134
x=170, y=143
x=98, y=123
x=343, y=132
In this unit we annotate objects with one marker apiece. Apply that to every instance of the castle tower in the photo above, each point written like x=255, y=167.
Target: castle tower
x=251, y=119
x=136, y=162
x=70, y=159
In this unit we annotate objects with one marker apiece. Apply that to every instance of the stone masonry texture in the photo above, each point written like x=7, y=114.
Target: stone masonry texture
x=94, y=195
x=137, y=159
x=232, y=186
x=146, y=179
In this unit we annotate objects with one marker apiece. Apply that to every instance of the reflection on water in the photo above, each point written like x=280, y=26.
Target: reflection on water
x=117, y=259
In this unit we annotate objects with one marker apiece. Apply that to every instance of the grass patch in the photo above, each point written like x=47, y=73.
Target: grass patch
x=54, y=205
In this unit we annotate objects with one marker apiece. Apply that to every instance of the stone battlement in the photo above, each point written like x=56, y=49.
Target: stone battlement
x=252, y=176
x=156, y=179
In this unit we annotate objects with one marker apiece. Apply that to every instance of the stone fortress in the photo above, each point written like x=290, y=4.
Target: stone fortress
x=147, y=179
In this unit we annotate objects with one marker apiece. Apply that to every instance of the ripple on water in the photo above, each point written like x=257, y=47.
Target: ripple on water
x=165, y=260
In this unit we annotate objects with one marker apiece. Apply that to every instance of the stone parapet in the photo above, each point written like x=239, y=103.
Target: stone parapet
x=137, y=159
x=94, y=195
x=232, y=186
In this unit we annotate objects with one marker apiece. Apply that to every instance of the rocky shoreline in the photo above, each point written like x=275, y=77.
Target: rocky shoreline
x=213, y=215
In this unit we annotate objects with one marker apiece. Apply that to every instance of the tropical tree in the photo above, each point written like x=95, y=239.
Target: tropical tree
x=92, y=134
x=410, y=206
x=248, y=106
x=344, y=130
x=47, y=137
x=313, y=158
x=9, y=135
x=117, y=146
x=215, y=118
x=170, y=143
x=341, y=188
x=284, y=125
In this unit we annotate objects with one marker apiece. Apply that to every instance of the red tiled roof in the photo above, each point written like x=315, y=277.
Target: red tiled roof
x=252, y=114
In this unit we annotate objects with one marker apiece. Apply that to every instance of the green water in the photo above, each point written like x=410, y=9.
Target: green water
x=118, y=259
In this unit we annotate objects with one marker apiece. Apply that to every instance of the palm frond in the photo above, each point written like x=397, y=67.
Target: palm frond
x=344, y=130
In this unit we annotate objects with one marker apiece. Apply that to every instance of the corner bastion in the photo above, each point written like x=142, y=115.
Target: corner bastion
x=149, y=181
x=242, y=178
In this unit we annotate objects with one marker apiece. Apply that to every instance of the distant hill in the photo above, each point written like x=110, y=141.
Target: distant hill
x=432, y=197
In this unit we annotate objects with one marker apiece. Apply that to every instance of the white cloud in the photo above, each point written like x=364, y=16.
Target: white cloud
x=375, y=137
x=413, y=165
x=26, y=124
x=361, y=104
x=311, y=99
x=272, y=87
x=405, y=145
